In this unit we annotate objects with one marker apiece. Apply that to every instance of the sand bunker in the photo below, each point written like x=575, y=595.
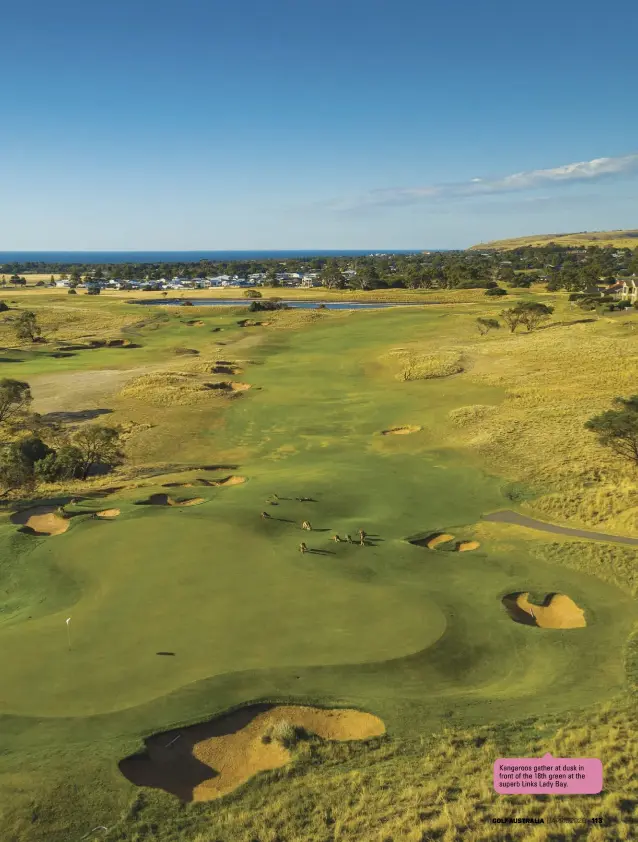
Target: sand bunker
x=206, y=761
x=440, y=538
x=41, y=520
x=401, y=431
x=107, y=513
x=436, y=539
x=239, y=387
x=165, y=500
x=464, y=546
x=229, y=481
x=557, y=611
x=209, y=483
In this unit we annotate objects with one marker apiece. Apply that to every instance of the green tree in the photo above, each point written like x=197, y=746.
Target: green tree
x=98, y=445
x=512, y=318
x=496, y=291
x=332, y=277
x=26, y=326
x=65, y=464
x=15, y=470
x=617, y=429
x=532, y=313
x=15, y=399
x=485, y=325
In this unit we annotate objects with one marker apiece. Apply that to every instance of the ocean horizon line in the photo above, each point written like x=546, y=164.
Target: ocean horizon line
x=189, y=255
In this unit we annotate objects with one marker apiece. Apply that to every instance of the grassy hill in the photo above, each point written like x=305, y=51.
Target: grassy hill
x=627, y=238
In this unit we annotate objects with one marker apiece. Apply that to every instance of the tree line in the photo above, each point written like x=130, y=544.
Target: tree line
x=572, y=269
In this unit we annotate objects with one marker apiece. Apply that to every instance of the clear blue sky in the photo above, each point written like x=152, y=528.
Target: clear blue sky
x=243, y=124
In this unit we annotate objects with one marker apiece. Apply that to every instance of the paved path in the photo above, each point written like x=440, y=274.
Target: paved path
x=531, y=523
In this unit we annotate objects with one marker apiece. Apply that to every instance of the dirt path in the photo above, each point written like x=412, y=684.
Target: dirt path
x=71, y=390
x=531, y=523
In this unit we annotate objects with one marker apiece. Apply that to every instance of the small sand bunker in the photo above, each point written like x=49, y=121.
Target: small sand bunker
x=239, y=387
x=41, y=520
x=401, y=431
x=108, y=513
x=206, y=761
x=440, y=538
x=234, y=480
x=165, y=500
x=209, y=483
x=557, y=611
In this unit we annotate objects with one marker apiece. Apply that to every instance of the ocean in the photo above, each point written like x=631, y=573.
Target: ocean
x=182, y=256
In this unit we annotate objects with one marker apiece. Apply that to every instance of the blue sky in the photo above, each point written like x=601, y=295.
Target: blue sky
x=255, y=124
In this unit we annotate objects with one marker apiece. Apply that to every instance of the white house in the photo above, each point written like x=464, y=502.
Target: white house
x=62, y=283
x=630, y=290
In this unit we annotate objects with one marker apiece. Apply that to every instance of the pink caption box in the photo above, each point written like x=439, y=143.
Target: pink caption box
x=548, y=775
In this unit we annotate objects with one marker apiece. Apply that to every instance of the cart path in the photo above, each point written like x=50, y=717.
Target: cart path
x=508, y=516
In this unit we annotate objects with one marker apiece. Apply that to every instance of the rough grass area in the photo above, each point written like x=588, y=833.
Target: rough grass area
x=438, y=787
x=175, y=389
x=413, y=364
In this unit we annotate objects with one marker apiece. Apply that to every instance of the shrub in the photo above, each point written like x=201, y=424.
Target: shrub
x=284, y=733
x=477, y=284
x=72, y=292
x=268, y=304
x=3, y=307
x=496, y=291
x=252, y=293
x=65, y=464
x=485, y=325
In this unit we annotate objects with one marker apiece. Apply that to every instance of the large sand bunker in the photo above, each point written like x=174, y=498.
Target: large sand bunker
x=557, y=611
x=206, y=761
x=165, y=500
x=401, y=431
x=108, y=513
x=41, y=520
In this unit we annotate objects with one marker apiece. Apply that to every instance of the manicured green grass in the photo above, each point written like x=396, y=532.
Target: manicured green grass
x=417, y=637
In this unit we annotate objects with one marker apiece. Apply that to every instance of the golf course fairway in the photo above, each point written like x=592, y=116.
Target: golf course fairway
x=178, y=613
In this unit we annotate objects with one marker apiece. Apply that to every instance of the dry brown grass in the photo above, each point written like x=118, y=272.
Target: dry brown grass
x=555, y=379
x=176, y=388
x=415, y=363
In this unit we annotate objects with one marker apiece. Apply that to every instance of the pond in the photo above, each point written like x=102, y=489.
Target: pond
x=295, y=303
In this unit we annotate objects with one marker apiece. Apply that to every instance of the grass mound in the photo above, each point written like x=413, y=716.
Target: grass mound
x=174, y=389
x=470, y=414
x=205, y=761
x=557, y=611
x=401, y=431
x=41, y=520
x=415, y=365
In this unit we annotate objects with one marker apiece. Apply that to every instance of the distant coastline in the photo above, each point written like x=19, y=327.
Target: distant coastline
x=184, y=256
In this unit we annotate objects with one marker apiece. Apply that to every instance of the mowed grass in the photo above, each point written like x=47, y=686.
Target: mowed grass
x=418, y=637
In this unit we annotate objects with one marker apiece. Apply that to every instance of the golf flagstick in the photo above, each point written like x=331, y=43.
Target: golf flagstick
x=68, y=631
